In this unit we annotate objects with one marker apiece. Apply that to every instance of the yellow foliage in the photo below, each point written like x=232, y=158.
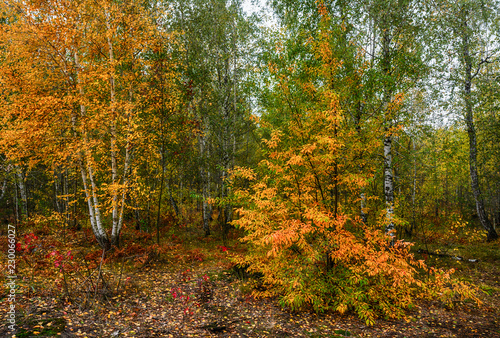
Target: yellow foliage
x=76, y=85
x=310, y=245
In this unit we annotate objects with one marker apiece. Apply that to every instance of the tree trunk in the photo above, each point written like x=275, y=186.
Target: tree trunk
x=388, y=186
x=205, y=182
x=172, y=200
x=362, y=194
x=16, y=203
x=115, y=231
x=117, y=227
x=86, y=170
x=414, y=190
x=57, y=205
x=225, y=90
x=388, y=171
x=162, y=181
x=471, y=131
x=22, y=191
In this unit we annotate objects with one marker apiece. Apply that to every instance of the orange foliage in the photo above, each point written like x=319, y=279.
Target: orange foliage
x=76, y=88
x=310, y=246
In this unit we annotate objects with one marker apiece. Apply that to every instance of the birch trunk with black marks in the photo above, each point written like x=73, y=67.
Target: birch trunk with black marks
x=388, y=170
x=4, y=186
x=388, y=186
x=471, y=131
x=414, y=190
x=85, y=164
x=113, y=138
x=117, y=183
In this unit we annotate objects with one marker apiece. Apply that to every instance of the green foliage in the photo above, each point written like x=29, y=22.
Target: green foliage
x=310, y=246
x=309, y=258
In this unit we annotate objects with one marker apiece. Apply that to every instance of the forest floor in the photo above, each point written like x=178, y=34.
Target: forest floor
x=187, y=287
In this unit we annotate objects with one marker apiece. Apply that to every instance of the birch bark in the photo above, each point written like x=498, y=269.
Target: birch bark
x=388, y=170
x=471, y=131
x=86, y=171
x=22, y=191
x=118, y=203
x=113, y=140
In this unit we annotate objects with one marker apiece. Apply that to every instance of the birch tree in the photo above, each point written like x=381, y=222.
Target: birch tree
x=215, y=76
x=290, y=220
x=76, y=73
x=380, y=47
x=398, y=64
x=473, y=43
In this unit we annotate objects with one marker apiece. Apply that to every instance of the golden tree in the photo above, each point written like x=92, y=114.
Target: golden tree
x=310, y=246
x=75, y=93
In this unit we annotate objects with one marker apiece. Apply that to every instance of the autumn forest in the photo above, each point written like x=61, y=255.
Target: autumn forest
x=257, y=169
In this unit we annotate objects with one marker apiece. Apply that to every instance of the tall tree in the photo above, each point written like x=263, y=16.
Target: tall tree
x=290, y=218
x=397, y=65
x=74, y=85
x=472, y=33
x=379, y=45
x=216, y=85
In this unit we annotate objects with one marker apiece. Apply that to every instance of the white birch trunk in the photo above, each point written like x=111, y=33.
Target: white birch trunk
x=414, y=192
x=22, y=191
x=86, y=170
x=363, y=214
x=471, y=131
x=114, y=170
x=4, y=185
x=388, y=170
x=389, y=186
x=115, y=232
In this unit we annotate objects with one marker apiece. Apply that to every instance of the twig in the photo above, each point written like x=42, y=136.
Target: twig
x=99, y=275
x=88, y=270
x=120, y=278
x=65, y=282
